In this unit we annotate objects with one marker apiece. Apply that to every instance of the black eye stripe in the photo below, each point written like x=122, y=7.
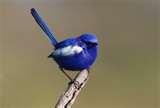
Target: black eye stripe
x=92, y=43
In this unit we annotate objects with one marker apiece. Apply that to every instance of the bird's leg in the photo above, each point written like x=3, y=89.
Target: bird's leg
x=77, y=75
x=88, y=70
x=71, y=80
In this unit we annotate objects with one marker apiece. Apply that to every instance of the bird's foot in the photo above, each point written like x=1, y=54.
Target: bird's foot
x=88, y=70
x=50, y=55
x=70, y=82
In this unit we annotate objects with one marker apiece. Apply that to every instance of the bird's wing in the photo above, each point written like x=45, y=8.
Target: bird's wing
x=67, y=48
x=65, y=43
x=68, y=51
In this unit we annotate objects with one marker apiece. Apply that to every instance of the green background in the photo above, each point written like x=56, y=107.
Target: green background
x=125, y=74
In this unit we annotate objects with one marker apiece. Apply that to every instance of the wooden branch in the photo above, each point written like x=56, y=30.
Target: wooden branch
x=68, y=97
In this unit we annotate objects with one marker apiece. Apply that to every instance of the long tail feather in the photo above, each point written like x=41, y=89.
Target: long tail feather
x=44, y=26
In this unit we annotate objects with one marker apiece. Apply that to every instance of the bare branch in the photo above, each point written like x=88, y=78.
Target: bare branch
x=69, y=96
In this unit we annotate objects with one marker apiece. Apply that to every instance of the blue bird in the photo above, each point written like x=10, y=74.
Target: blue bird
x=73, y=54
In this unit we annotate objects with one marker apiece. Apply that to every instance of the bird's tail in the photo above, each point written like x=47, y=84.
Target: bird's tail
x=44, y=26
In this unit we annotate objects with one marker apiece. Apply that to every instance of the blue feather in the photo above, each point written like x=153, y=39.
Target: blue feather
x=44, y=26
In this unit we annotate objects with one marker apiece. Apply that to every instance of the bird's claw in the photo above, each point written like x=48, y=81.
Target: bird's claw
x=70, y=82
x=76, y=84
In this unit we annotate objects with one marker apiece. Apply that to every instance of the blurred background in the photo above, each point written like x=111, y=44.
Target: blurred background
x=125, y=75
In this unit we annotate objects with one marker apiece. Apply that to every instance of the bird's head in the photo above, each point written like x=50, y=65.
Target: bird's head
x=89, y=39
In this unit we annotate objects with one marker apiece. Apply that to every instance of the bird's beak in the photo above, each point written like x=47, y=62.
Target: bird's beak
x=95, y=43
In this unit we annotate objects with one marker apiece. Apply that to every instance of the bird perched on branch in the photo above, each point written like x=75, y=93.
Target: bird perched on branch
x=73, y=54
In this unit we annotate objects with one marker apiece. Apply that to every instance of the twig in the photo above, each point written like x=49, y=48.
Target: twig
x=67, y=99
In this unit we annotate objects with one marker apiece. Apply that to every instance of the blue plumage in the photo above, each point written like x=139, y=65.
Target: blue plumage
x=83, y=56
x=44, y=26
x=73, y=54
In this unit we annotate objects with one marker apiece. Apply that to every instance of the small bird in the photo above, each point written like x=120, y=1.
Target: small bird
x=75, y=54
